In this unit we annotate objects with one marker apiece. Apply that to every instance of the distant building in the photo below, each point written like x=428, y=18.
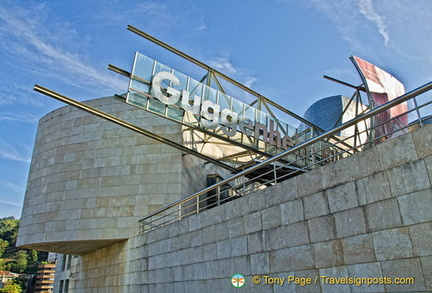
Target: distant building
x=6, y=277
x=331, y=112
x=63, y=273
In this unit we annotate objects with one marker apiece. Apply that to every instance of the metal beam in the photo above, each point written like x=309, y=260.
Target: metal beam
x=127, y=125
x=119, y=70
x=361, y=88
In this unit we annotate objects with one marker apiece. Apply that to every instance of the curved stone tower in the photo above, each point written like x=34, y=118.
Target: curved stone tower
x=91, y=180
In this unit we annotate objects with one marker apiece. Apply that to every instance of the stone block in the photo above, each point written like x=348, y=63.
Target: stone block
x=255, y=242
x=176, y=258
x=186, y=256
x=342, y=197
x=364, y=164
x=421, y=238
x=335, y=174
x=188, y=272
x=235, y=208
x=223, y=249
x=213, y=285
x=210, y=251
x=350, y=222
x=275, y=238
x=367, y=270
x=208, y=234
x=260, y=263
x=184, y=240
x=277, y=194
x=292, y=287
x=179, y=228
x=196, y=238
x=212, y=268
x=238, y=246
x=328, y=254
x=392, y=244
x=240, y=264
x=408, y=178
x=277, y=287
x=426, y=264
x=200, y=270
x=295, y=234
x=253, y=203
x=329, y=286
x=422, y=138
x=315, y=205
x=358, y=249
x=309, y=183
x=416, y=207
x=280, y=261
x=271, y=217
x=382, y=215
x=288, y=189
x=221, y=231
x=292, y=212
x=404, y=268
x=373, y=188
x=322, y=228
x=253, y=222
x=236, y=227
x=302, y=257
x=428, y=163
x=217, y=214
x=397, y=151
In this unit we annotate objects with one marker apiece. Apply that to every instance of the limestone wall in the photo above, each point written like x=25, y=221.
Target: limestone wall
x=91, y=180
x=368, y=216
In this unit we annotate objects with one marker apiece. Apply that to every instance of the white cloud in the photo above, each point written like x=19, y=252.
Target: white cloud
x=27, y=37
x=11, y=187
x=19, y=116
x=350, y=21
x=223, y=64
x=367, y=9
x=342, y=14
x=16, y=93
x=249, y=81
x=11, y=203
x=14, y=153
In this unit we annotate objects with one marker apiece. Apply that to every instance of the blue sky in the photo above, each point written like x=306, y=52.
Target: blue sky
x=280, y=48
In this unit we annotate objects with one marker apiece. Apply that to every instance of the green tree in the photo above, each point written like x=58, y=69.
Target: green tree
x=11, y=288
x=33, y=256
x=9, y=230
x=21, y=262
x=3, y=266
x=3, y=245
x=8, y=236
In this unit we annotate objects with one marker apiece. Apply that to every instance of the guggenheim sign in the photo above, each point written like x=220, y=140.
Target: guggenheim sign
x=166, y=92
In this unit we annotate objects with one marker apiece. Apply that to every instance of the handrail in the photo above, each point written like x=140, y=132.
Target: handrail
x=418, y=91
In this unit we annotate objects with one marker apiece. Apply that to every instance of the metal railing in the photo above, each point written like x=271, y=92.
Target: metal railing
x=353, y=136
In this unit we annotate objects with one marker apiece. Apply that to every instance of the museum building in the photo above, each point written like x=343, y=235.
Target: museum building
x=346, y=204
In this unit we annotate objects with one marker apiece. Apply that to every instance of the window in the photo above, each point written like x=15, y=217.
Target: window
x=61, y=286
x=66, y=289
x=218, y=195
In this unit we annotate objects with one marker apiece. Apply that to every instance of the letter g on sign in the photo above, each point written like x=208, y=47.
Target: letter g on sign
x=156, y=88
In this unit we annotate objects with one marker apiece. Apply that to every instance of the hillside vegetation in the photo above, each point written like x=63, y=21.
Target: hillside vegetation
x=14, y=259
